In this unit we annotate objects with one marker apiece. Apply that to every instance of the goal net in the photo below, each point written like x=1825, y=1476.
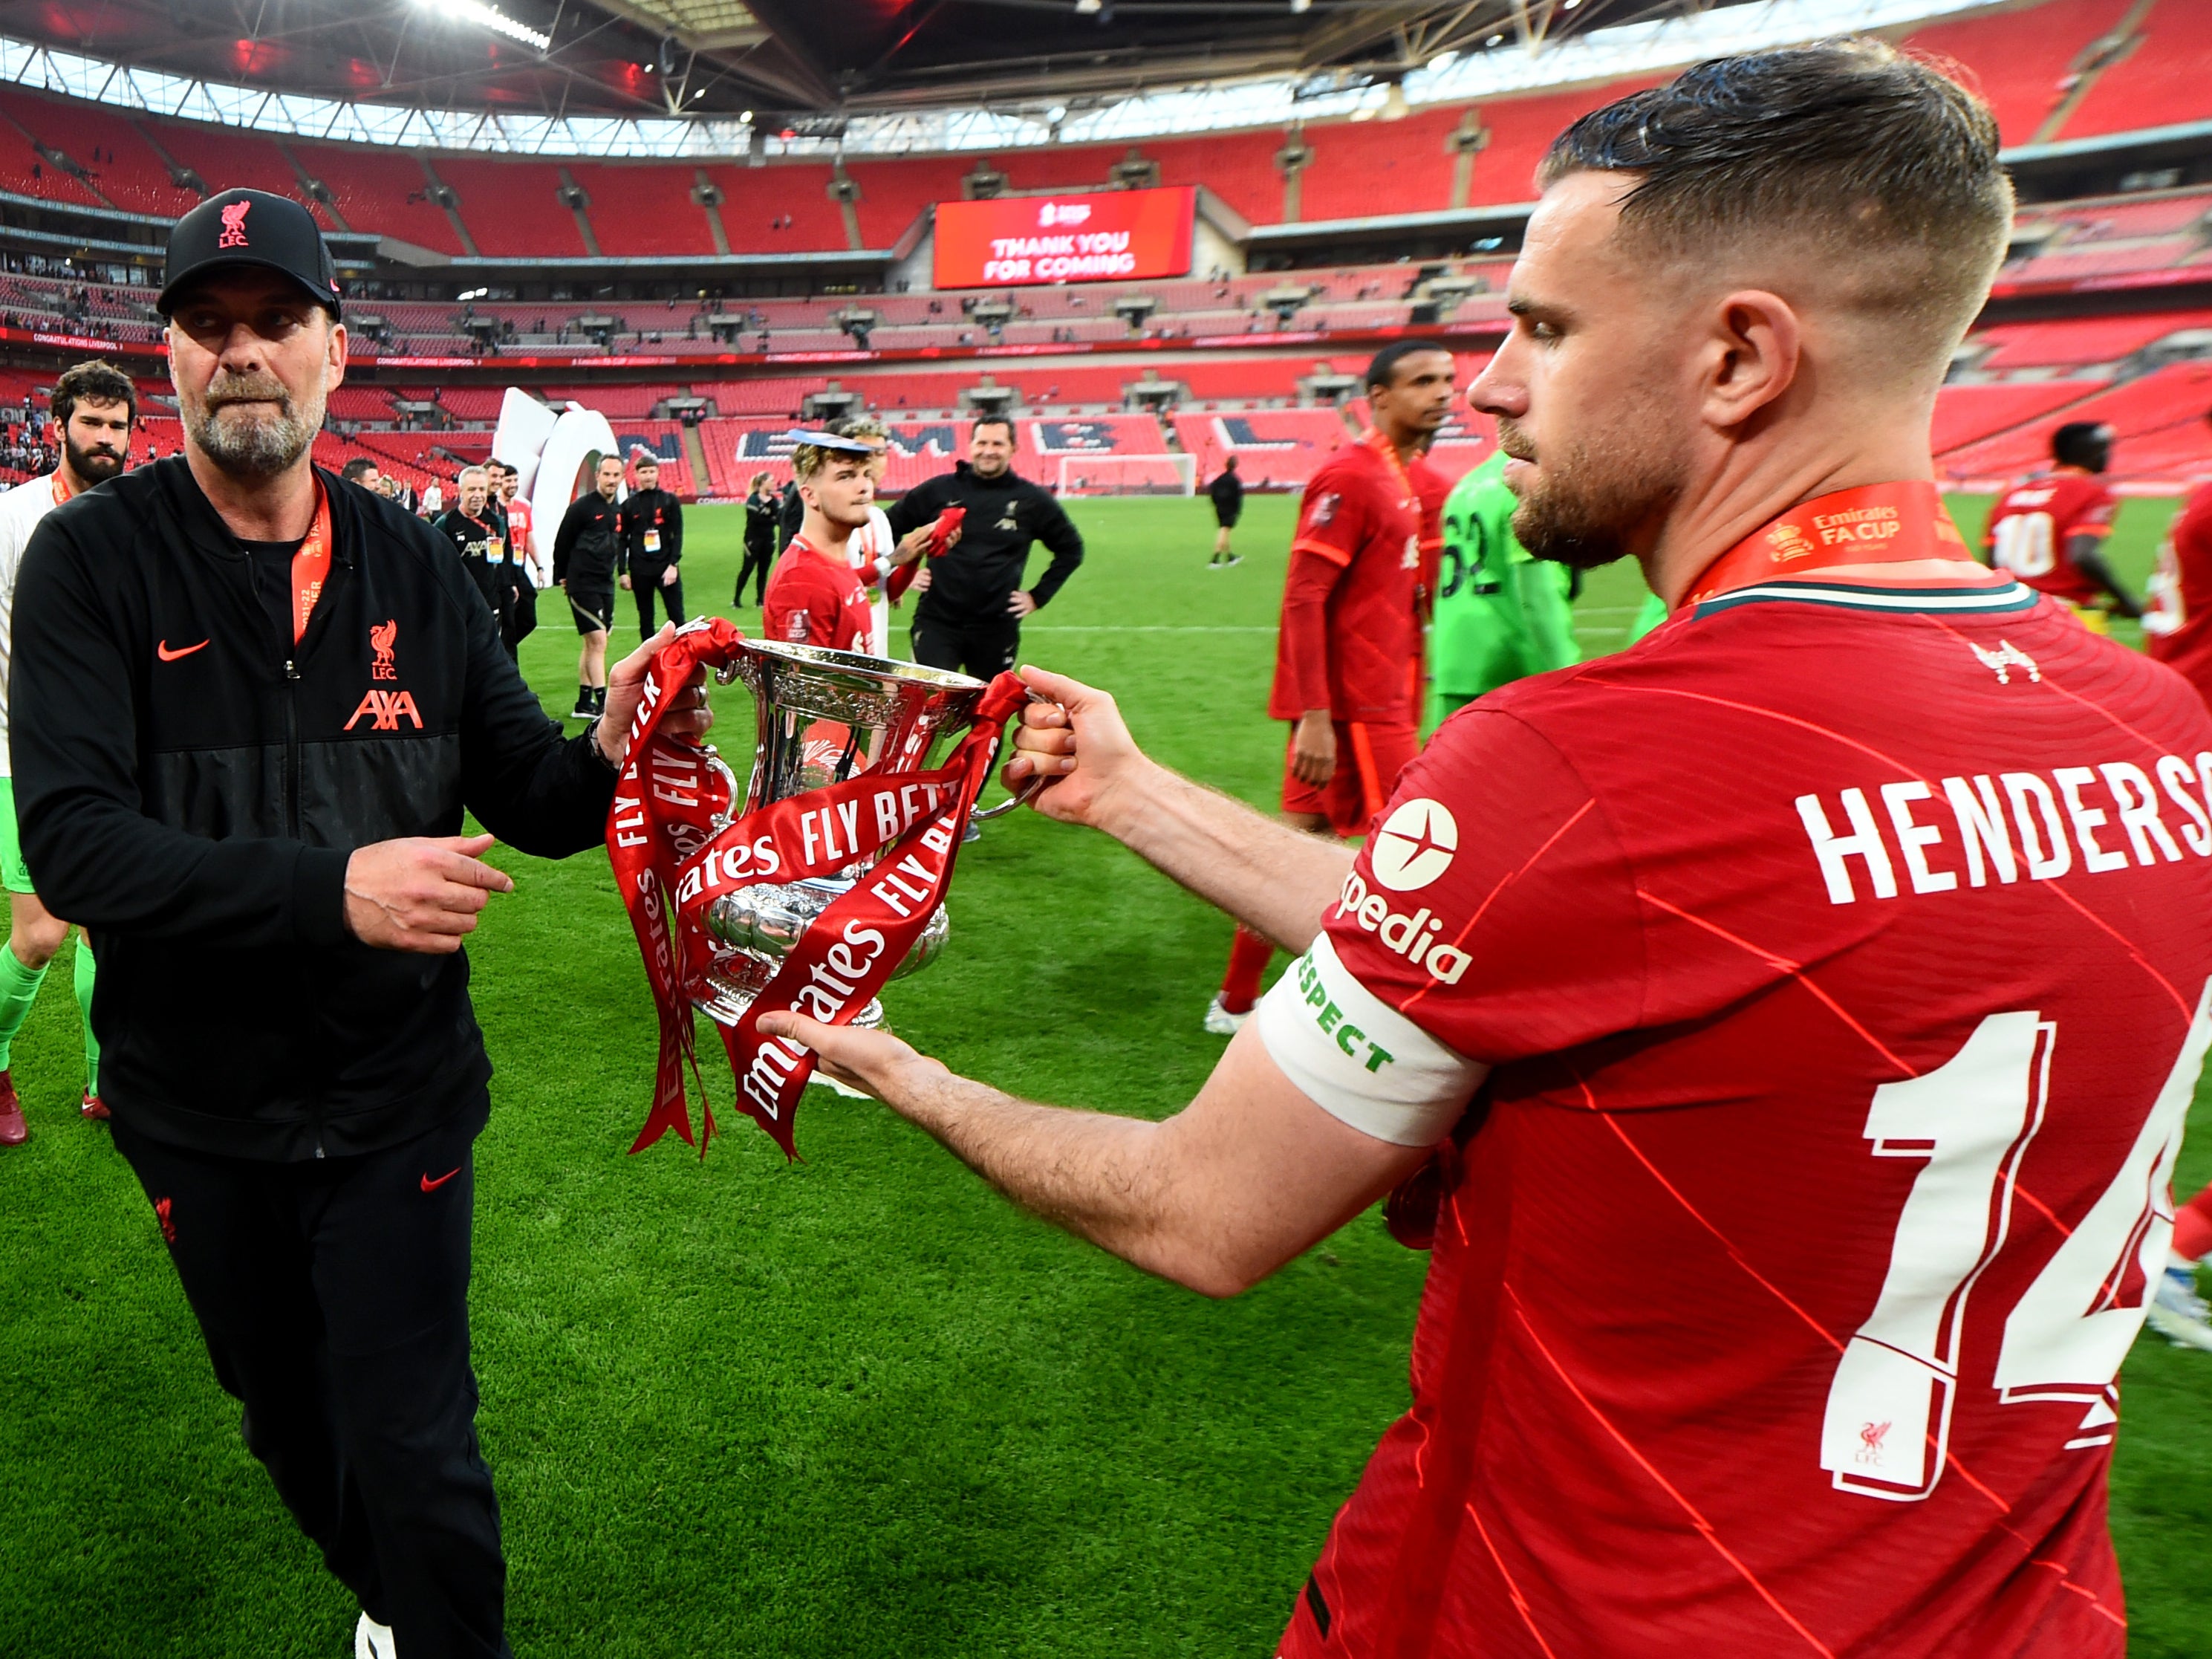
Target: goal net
x=1128, y=475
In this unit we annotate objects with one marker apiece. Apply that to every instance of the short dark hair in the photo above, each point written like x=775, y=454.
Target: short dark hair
x=358, y=469
x=982, y=421
x=95, y=382
x=495, y=465
x=2082, y=443
x=1882, y=158
x=1382, y=367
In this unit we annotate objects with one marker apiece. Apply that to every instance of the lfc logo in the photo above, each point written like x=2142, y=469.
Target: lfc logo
x=380, y=640
x=233, y=225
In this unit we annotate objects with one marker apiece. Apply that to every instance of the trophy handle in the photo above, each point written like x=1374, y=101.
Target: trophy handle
x=1027, y=793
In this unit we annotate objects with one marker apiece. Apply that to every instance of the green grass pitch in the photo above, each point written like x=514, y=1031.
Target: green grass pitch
x=857, y=1406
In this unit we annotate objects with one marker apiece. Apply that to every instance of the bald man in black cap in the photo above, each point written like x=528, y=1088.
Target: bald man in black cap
x=251, y=701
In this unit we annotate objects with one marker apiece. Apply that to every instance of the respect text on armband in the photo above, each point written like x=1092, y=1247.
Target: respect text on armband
x=1355, y=1042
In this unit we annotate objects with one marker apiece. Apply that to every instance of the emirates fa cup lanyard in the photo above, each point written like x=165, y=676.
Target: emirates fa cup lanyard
x=311, y=565
x=1873, y=524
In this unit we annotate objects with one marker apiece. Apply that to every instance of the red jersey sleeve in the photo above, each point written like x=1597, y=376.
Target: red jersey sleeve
x=1331, y=524
x=1331, y=517
x=1492, y=906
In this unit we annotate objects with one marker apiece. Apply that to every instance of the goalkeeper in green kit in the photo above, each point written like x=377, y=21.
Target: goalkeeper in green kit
x=1500, y=615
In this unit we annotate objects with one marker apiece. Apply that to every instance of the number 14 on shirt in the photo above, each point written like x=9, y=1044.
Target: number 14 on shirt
x=1887, y=1425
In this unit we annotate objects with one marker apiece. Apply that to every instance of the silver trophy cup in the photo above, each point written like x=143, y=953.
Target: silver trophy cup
x=824, y=716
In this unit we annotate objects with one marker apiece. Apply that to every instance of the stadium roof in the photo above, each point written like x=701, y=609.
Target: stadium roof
x=684, y=77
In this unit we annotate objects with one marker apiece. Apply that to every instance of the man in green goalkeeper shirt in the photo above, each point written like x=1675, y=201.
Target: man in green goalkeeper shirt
x=1500, y=615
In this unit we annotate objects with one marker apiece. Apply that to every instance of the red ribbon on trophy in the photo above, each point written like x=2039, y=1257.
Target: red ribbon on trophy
x=671, y=863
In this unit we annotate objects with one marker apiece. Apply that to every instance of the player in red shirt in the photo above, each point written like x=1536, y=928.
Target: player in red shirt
x=2178, y=631
x=2049, y=529
x=1348, y=656
x=1782, y=1029
x=815, y=596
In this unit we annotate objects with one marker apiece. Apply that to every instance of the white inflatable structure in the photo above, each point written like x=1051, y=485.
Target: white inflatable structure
x=555, y=451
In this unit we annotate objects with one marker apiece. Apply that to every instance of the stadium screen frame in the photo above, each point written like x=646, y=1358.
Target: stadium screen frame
x=1101, y=236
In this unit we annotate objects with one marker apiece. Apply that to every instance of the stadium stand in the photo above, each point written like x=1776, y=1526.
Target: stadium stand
x=2159, y=79
x=642, y=208
x=2022, y=60
x=664, y=440
x=1966, y=415
x=1275, y=449
x=512, y=207
x=757, y=201
x=2158, y=420
x=380, y=190
x=226, y=158
x=2068, y=342
x=103, y=142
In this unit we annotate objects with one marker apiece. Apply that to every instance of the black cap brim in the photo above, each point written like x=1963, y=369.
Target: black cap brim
x=164, y=303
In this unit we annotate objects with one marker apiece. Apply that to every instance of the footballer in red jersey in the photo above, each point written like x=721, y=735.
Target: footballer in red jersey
x=2178, y=632
x=815, y=595
x=2049, y=529
x=2178, y=619
x=1779, y=1030
x=1348, y=654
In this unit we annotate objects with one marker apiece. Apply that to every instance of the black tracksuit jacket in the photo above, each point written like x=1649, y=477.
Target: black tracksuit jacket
x=588, y=545
x=650, y=509
x=972, y=583
x=189, y=784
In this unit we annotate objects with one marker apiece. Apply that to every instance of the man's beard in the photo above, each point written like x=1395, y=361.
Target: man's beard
x=1581, y=513
x=253, y=446
x=90, y=466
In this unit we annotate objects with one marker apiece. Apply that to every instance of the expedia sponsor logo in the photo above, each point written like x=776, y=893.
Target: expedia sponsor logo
x=1413, y=937
x=1414, y=846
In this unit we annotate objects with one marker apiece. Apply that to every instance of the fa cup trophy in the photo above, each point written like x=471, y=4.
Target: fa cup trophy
x=824, y=881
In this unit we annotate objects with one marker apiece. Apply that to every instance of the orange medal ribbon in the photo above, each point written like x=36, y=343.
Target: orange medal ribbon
x=1874, y=524
x=311, y=565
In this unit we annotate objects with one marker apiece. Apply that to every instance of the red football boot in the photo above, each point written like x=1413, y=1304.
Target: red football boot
x=92, y=1107
x=14, y=1131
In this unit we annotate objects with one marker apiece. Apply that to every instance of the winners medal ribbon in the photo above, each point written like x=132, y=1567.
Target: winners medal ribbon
x=1885, y=524
x=672, y=861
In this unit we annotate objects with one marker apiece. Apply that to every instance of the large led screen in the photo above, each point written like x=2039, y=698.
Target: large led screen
x=1105, y=237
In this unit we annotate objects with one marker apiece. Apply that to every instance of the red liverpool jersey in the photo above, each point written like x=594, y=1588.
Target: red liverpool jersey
x=2178, y=625
x=1350, y=636
x=2032, y=524
x=811, y=601
x=1838, y=956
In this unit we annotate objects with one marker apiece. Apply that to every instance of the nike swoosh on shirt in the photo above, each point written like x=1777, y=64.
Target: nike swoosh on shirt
x=430, y=1186
x=163, y=652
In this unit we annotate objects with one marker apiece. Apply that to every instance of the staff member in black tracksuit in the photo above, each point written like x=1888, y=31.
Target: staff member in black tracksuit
x=478, y=530
x=652, y=523
x=970, y=617
x=251, y=703
x=1227, y=492
x=587, y=549
x=761, y=510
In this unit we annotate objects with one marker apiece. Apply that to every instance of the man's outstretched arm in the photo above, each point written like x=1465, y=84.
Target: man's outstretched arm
x=1276, y=880
x=1216, y=1198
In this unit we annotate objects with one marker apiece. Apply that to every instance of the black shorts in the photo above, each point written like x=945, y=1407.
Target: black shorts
x=592, y=608
x=1227, y=521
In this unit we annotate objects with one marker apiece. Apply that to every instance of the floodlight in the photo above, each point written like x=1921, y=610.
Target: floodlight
x=491, y=18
